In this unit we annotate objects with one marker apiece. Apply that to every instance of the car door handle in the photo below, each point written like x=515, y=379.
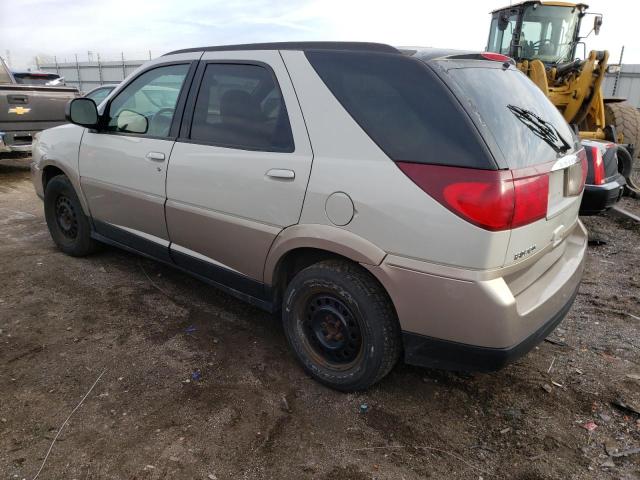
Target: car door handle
x=156, y=156
x=281, y=173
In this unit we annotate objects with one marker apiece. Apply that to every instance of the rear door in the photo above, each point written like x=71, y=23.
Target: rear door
x=239, y=171
x=123, y=165
x=528, y=136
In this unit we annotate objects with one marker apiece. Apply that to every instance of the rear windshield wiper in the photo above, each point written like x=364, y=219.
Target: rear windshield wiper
x=541, y=128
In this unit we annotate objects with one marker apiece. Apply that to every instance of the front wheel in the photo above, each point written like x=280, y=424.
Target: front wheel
x=341, y=325
x=68, y=226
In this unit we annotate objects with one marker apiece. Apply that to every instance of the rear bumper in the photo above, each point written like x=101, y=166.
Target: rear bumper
x=436, y=353
x=481, y=320
x=598, y=198
x=16, y=141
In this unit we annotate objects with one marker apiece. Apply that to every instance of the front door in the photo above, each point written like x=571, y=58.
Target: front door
x=239, y=172
x=123, y=166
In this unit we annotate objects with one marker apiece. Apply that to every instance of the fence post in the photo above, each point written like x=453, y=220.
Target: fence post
x=124, y=67
x=615, y=82
x=99, y=69
x=78, y=71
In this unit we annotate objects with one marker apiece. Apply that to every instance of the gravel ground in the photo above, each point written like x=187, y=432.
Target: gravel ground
x=197, y=385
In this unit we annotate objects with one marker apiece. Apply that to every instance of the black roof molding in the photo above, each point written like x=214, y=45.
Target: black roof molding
x=353, y=46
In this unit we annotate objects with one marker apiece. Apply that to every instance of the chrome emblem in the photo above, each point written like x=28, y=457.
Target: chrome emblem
x=19, y=110
x=525, y=252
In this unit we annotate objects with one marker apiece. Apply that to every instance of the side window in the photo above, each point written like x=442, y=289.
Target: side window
x=99, y=95
x=146, y=105
x=241, y=106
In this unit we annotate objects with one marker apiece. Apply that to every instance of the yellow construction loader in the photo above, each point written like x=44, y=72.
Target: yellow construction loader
x=543, y=37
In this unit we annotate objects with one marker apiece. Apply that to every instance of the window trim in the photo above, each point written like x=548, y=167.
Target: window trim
x=180, y=104
x=188, y=116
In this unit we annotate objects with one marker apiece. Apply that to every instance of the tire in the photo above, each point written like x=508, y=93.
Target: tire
x=68, y=226
x=626, y=118
x=341, y=325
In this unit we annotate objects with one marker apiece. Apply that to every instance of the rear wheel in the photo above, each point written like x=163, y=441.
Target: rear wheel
x=341, y=325
x=626, y=118
x=68, y=226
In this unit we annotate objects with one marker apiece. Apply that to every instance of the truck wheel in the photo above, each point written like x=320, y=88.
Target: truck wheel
x=626, y=118
x=341, y=325
x=68, y=226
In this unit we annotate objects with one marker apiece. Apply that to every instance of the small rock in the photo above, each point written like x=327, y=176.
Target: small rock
x=604, y=417
x=608, y=463
x=505, y=430
x=284, y=404
x=546, y=387
x=3, y=420
x=216, y=341
x=174, y=459
x=633, y=376
x=120, y=379
x=149, y=467
x=212, y=476
x=103, y=270
x=68, y=329
x=590, y=426
x=610, y=447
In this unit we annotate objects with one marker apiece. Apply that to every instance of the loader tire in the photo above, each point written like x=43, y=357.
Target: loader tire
x=626, y=118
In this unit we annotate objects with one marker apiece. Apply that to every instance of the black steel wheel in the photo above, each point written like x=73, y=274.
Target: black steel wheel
x=341, y=325
x=69, y=227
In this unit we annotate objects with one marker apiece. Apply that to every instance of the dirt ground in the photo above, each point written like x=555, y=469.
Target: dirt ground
x=198, y=385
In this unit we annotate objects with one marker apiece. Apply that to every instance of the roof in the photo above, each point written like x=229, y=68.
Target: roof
x=550, y=3
x=354, y=46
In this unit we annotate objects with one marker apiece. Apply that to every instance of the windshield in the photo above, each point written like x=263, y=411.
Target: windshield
x=548, y=33
x=527, y=127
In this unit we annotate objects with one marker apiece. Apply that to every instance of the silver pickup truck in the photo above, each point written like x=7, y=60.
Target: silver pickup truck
x=27, y=109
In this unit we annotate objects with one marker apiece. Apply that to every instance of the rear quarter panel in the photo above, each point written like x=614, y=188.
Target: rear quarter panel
x=391, y=212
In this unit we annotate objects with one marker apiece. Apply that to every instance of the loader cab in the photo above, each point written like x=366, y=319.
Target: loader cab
x=548, y=31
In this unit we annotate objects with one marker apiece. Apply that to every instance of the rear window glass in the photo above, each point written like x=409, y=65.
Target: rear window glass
x=35, y=79
x=405, y=109
x=497, y=94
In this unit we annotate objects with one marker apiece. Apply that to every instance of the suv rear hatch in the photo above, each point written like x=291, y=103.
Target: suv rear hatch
x=528, y=137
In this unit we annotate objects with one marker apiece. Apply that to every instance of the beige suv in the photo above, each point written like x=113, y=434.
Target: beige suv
x=387, y=203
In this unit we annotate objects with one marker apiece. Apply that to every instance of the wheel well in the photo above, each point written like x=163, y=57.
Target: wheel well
x=297, y=260
x=48, y=173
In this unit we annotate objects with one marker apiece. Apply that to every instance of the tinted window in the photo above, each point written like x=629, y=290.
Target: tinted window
x=401, y=104
x=153, y=95
x=491, y=91
x=241, y=106
x=35, y=78
x=99, y=94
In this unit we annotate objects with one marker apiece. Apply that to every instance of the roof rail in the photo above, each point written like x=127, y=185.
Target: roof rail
x=354, y=46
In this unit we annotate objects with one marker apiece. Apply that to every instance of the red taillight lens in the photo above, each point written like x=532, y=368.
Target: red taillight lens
x=598, y=166
x=495, y=57
x=491, y=199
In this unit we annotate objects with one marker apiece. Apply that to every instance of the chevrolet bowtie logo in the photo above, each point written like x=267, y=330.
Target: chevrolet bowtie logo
x=19, y=110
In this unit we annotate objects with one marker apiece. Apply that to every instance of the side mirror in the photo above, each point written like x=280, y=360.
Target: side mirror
x=132, y=122
x=83, y=112
x=597, y=23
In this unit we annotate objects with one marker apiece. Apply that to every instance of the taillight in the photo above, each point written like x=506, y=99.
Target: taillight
x=495, y=57
x=491, y=199
x=598, y=166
